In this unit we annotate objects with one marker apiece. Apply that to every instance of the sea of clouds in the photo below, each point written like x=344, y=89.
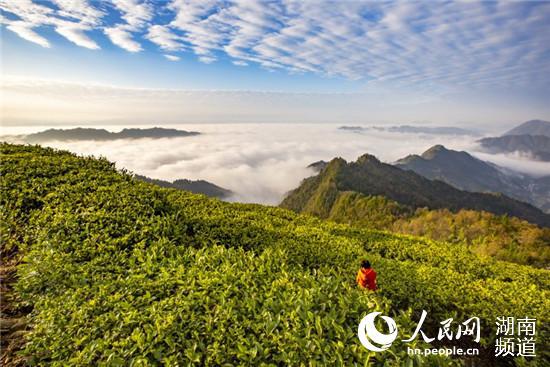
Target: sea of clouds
x=262, y=162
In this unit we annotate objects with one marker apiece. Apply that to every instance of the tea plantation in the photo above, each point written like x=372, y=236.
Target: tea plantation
x=120, y=272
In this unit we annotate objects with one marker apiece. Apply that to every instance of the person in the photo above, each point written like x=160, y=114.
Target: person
x=366, y=276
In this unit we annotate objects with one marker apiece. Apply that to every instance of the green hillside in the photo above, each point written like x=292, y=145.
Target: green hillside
x=115, y=272
x=371, y=194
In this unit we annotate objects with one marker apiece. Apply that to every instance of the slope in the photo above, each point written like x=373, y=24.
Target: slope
x=121, y=272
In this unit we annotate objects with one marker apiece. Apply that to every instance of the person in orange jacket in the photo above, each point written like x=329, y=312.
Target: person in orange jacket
x=366, y=276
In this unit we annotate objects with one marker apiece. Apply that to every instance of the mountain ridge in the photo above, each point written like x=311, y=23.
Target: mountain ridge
x=412, y=129
x=530, y=139
x=531, y=127
x=81, y=133
x=465, y=172
x=368, y=176
x=536, y=147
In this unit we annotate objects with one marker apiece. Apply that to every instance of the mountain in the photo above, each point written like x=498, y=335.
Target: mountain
x=353, y=128
x=368, y=176
x=120, y=272
x=437, y=130
x=197, y=187
x=409, y=129
x=533, y=127
x=466, y=172
x=102, y=134
x=536, y=147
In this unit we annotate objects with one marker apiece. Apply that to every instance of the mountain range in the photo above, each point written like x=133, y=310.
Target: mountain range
x=531, y=139
x=536, y=147
x=465, y=172
x=102, y=134
x=320, y=194
x=410, y=129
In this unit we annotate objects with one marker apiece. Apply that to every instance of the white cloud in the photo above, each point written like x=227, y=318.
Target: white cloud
x=514, y=161
x=80, y=10
x=258, y=162
x=172, y=57
x=121, y=36
x=163, y=37
x=33, y=15
x=27, y=11
x=207, y=59
x=136, y=13
x=75, y=34
x=24, y=30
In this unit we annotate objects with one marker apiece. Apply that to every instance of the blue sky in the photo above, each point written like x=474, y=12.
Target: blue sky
x=448, y=62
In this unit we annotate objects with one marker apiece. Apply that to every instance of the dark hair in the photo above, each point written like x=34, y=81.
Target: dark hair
x=365, y=264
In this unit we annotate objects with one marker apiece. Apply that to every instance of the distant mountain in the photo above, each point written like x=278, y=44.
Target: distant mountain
x=536, y=147
x=355, y=129
x=465, y=172
x=533, y=127
x=437, y=130
x=409, y=129
x=102, y=134
x=369, y=177
x=198, y=186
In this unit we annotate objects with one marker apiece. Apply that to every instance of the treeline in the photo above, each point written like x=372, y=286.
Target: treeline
x=502, y=237
x=499, y=236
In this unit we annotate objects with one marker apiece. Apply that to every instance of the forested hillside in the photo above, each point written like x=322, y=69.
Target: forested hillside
x=369, y=176
x=374, y=195
x=120, y=272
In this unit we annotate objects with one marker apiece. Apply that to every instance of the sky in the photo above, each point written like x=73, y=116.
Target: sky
x=481, y=64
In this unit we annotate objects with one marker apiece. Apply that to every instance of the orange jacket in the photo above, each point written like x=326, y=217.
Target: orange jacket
x=366, y=278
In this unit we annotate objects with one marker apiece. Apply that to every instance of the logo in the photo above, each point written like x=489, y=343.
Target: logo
x=368, y=334
x=515, y=337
